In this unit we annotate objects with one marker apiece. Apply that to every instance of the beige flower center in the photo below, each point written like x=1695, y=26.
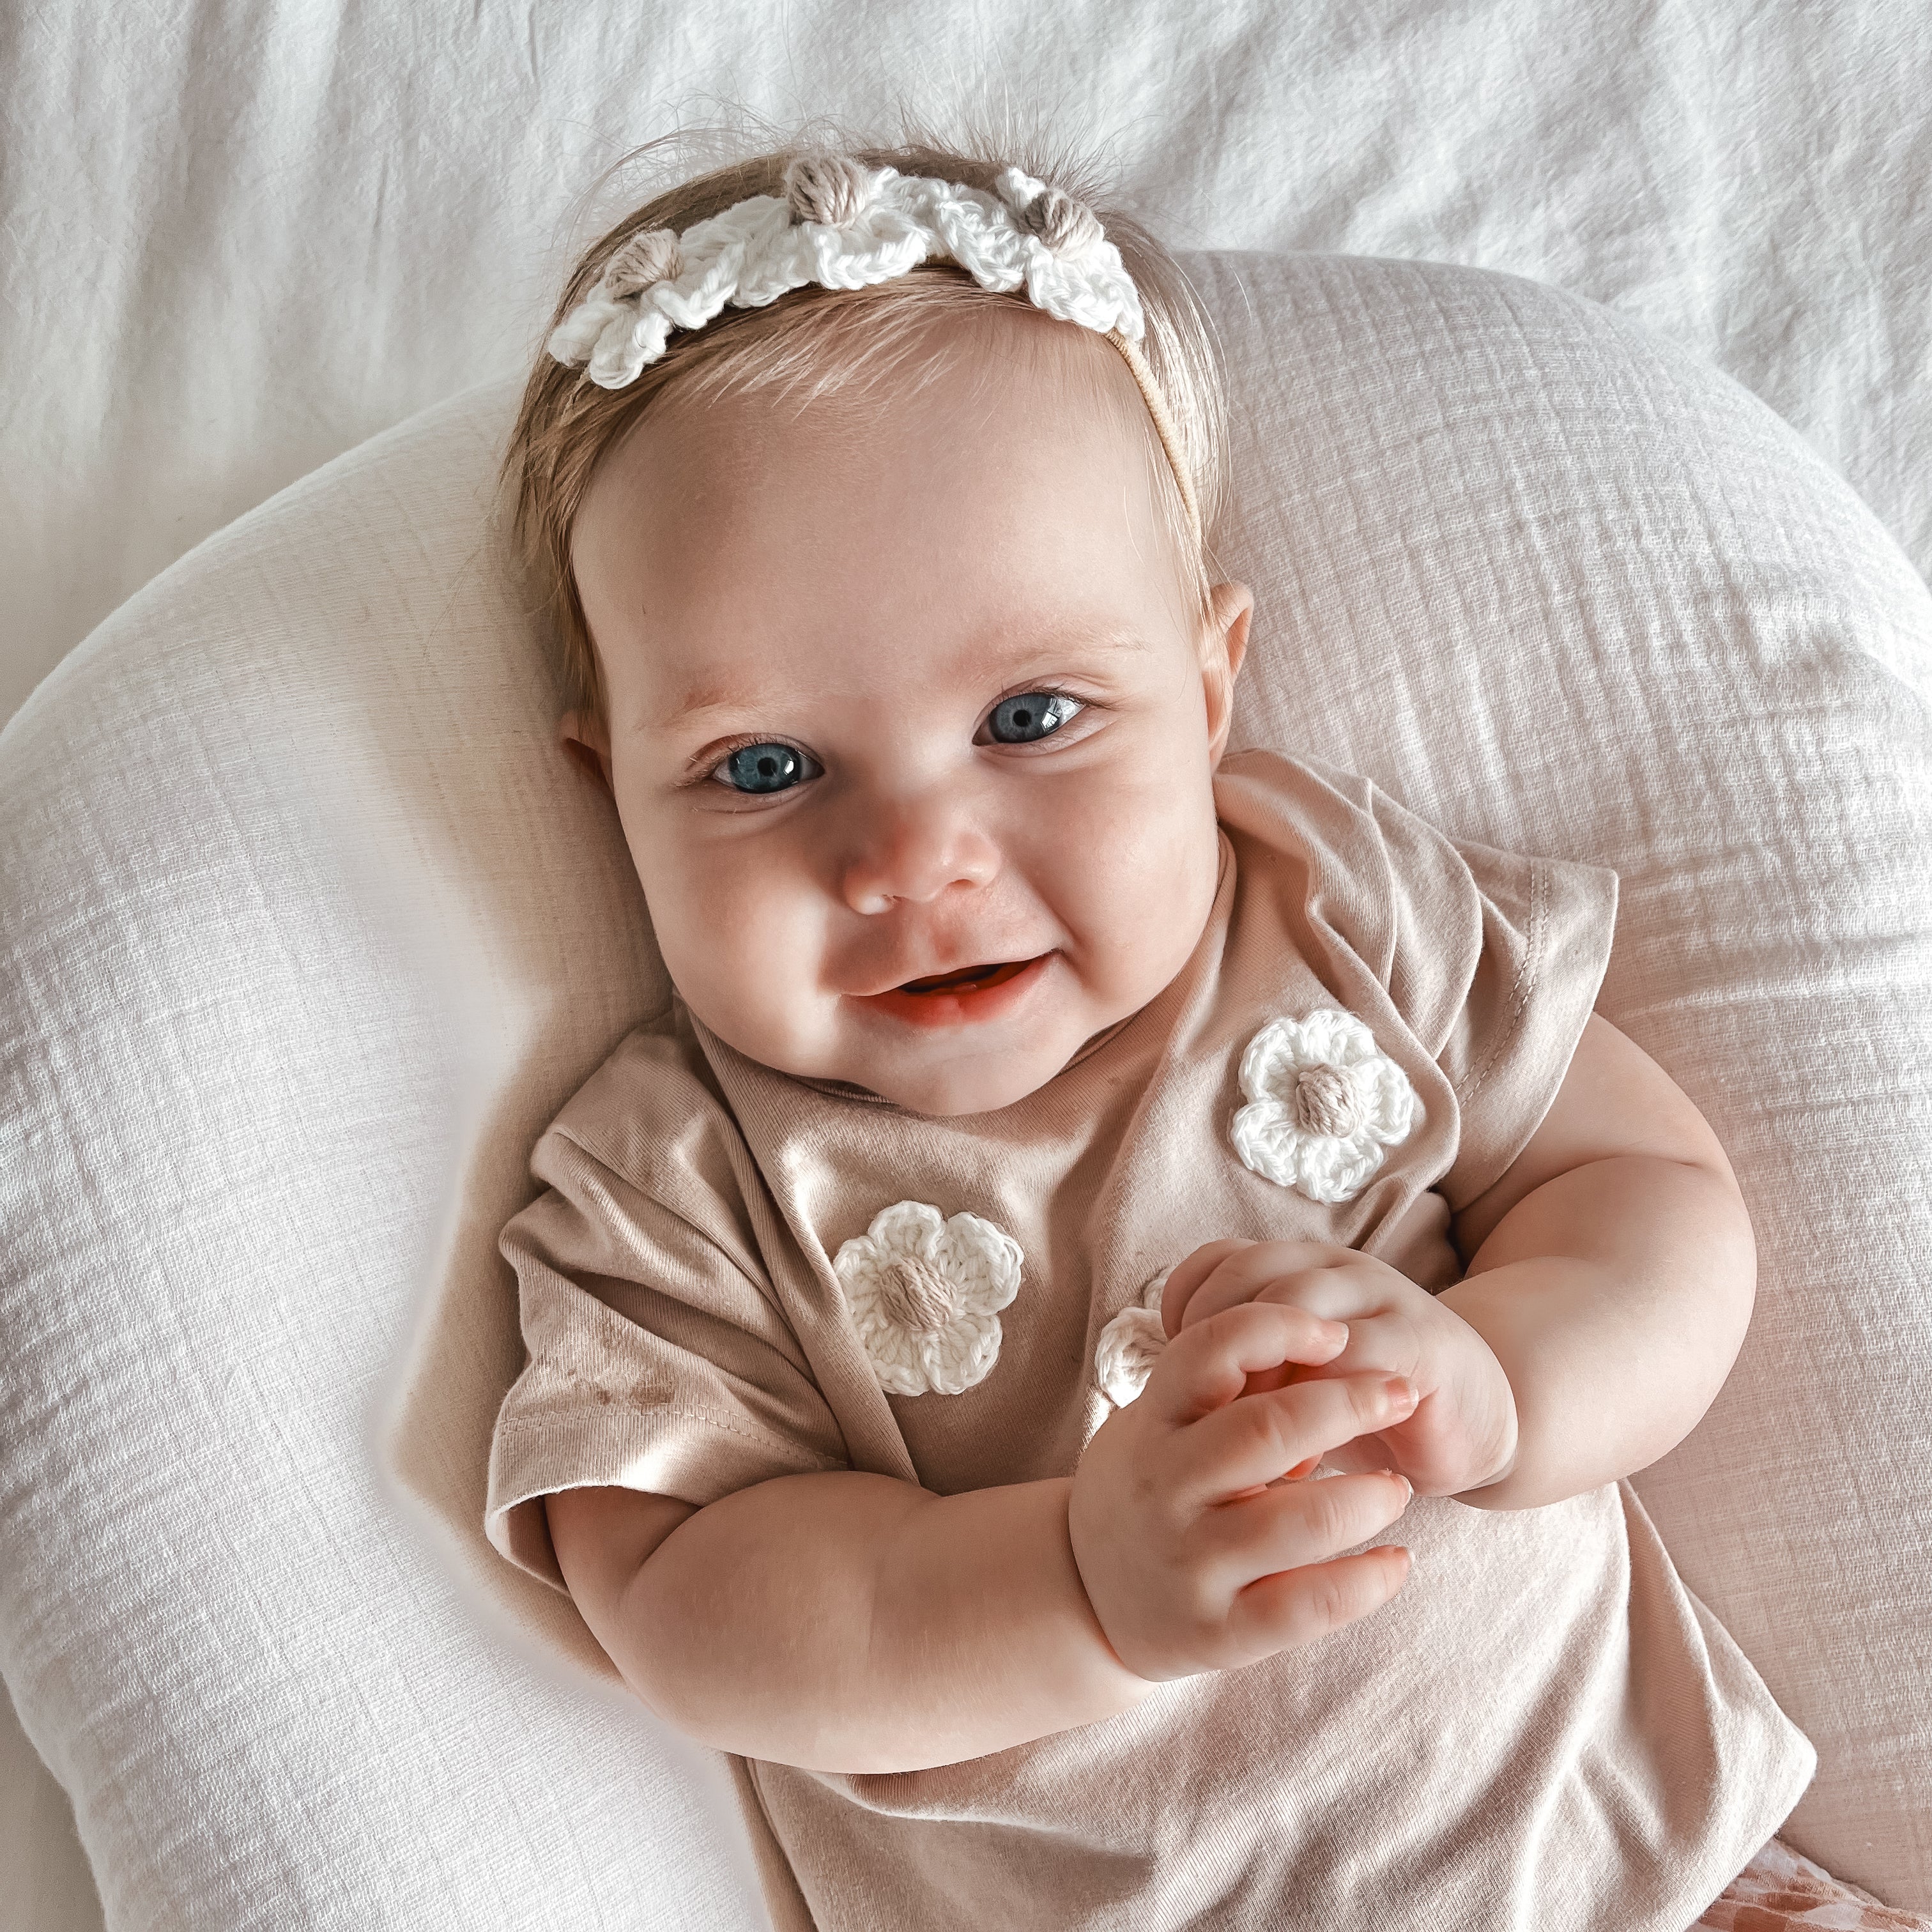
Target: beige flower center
x=1060, y=221
x=1326, y=1102
x=915, y=1294
x=649, y=257
x=831, y=188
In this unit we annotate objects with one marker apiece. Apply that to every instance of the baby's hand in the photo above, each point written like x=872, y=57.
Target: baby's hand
x=1195, y=1556
x=1463, y=1432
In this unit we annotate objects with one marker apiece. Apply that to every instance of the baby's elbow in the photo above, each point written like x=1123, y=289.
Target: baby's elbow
x=605, y=1536
x=1723, y=1261
x=1734, y=1238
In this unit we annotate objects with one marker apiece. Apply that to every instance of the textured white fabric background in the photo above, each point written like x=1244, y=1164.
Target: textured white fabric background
x=309, y=929
x=237, y=238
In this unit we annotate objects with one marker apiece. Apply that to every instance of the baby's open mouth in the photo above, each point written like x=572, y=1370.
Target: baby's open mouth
x=968, y=979
x=968, y=996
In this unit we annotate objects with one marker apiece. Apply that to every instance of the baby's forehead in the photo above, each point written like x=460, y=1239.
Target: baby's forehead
x=997, y=502
x=950, y=402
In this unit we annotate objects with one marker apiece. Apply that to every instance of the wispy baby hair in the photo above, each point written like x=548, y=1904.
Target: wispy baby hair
x=869, y=343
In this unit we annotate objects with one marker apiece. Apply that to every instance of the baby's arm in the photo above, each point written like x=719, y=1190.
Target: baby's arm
x=848, y=1621
x=1612, y=1270
x=845, y=1621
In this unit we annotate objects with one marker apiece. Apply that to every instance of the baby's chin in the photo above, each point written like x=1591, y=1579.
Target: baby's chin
x=969, y=1069
x=939, y=1078
x=979, y=1083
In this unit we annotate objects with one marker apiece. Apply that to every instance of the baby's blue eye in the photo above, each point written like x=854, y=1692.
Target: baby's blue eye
x=1033, y=714
x=765, y=768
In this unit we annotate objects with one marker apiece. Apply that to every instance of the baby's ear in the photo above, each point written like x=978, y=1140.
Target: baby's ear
x=1225, y=642
x=587, y=743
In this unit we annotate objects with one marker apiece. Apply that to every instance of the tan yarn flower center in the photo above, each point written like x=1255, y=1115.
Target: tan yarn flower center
x=915, y=1294
x=1326, y=1102
x=829, y=188
x=653, y=256
x=1060, y=221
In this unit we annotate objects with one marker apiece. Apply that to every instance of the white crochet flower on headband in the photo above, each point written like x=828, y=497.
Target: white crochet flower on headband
x=1323, y=1103
x=845, y=225
x=925, y=1295
x=1073, y=270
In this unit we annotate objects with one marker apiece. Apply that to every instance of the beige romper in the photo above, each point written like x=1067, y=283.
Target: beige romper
x=1544, y=1732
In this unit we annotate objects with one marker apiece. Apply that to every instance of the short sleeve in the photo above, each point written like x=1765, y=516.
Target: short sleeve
x=658, y=1357
x=1492, y=959
x=1504, y=1013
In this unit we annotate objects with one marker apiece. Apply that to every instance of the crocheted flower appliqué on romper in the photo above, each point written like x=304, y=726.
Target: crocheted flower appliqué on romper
x=924, y=1294
x=1323, y=1102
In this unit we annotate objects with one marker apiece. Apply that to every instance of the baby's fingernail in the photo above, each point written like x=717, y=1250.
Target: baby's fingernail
x=1333, y=1331
x=1402, y=1392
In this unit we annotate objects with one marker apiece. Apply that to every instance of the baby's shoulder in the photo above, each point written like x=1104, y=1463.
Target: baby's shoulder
x=1274, y=801
x=1307, y=830
x=652, y=1108
x=1304, y=831
x=642, y=1172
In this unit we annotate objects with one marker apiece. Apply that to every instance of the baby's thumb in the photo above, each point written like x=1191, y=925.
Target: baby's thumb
x=1185, y=1277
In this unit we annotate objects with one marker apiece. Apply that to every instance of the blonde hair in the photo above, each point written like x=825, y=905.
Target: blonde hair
x=813, y=341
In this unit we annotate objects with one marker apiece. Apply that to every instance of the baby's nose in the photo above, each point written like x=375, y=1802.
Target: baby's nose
x=911, y=853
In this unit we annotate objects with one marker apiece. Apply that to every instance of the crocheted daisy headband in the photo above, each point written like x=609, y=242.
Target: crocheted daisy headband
x=845, y=225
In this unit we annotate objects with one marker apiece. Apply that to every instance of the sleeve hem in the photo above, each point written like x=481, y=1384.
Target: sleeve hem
x=652, y=1451
x=1573, y=921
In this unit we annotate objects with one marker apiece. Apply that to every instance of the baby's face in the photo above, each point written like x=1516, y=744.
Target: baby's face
x=911, y=727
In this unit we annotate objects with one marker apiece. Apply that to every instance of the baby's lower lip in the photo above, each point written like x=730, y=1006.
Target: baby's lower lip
x=966, y=979
x=957, y=999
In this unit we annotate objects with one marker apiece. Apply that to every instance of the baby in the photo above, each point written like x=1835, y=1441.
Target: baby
x=1086, y=1184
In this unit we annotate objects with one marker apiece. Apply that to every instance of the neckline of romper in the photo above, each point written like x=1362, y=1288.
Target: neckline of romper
x=1117, y=1035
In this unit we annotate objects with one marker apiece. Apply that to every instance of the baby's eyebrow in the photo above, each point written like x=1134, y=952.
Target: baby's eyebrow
x=700, y=699
x=1017, y=643
x=1006, y=644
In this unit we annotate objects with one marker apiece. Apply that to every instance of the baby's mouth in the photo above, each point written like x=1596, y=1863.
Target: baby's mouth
x=968, y=979
x=967, y=996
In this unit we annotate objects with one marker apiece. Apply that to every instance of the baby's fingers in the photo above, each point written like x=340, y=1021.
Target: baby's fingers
x=1293, y=1607
x=1312, y=1274
x=1261, y=1437
x=1205, y=1368
x=1296, y=1524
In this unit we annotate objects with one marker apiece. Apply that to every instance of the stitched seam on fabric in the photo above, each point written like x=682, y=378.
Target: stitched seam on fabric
x=1526, y=979
x=538, y=1424
x=765, y=1288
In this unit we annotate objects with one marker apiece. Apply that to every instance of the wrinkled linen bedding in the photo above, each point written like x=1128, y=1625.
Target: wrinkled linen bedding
x=242, y=237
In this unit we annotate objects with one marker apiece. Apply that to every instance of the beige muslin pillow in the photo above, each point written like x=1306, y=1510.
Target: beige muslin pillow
x=309, y=930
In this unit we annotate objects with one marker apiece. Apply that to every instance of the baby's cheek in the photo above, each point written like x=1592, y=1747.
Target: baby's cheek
x=1134, y=874
x=742, y=944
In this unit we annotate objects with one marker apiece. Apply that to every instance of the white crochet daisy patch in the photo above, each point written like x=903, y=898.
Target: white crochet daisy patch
x=1130, y=1344
x=924, y=1294
x=1323, y=1103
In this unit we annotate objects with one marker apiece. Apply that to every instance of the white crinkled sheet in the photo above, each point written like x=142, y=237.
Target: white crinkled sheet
x=292, y=973
x=239, y=238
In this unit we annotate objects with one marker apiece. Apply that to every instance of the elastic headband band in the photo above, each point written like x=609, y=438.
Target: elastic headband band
x=845, y=225
x=1163, y=423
